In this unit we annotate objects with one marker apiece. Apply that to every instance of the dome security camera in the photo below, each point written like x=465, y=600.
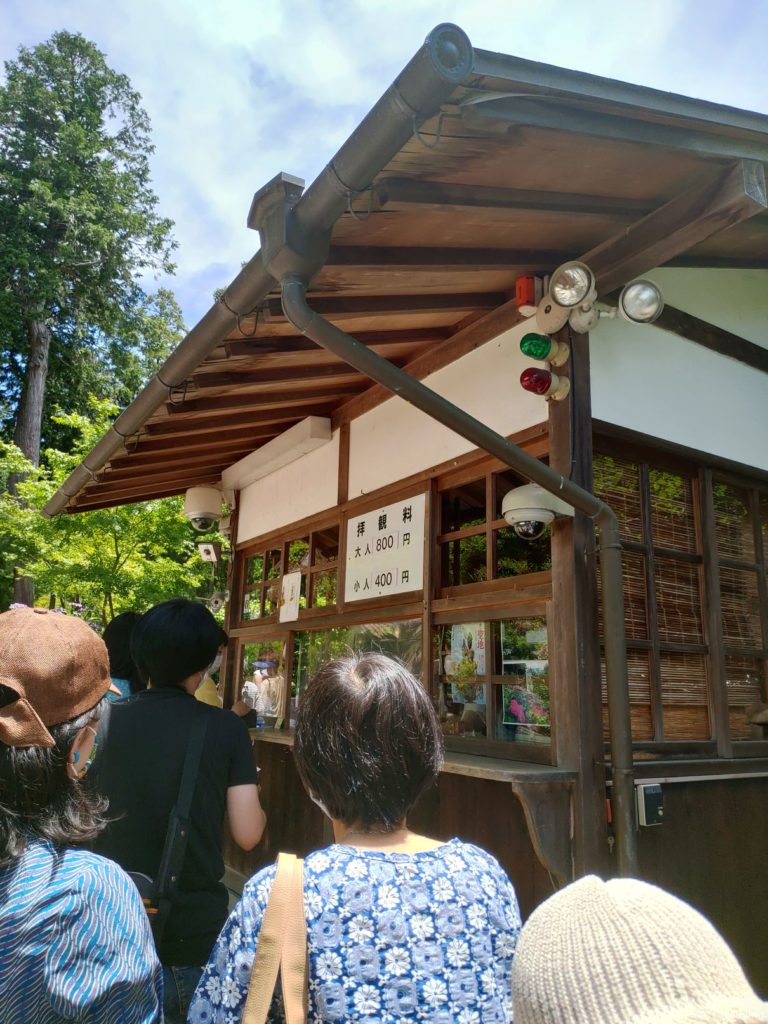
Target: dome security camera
x=530, y=509
x=202, y=507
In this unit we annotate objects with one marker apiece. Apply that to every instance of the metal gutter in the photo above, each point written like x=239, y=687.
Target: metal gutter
x=429, y=78
x=406, y=387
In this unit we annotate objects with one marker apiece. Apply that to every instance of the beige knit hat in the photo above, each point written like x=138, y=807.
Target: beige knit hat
x=626, y=952
x=52, y=669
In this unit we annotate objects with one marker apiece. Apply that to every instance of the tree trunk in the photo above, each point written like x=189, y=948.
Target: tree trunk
x=29, y=419
x=30, y=415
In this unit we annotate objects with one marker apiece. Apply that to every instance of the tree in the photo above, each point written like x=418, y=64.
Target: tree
x=80, y=227
x=100, y=562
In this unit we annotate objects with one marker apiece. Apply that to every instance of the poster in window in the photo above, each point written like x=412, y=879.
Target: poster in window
x=465, y=661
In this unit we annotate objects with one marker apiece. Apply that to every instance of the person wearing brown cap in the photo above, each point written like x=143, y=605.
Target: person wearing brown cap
x=626, y=952
x=74, y=939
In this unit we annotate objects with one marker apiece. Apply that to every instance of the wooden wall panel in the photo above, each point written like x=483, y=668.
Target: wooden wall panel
x=477, y=810
x=711, y=851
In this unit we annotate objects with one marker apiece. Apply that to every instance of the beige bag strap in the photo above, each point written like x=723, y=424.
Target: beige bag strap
x=282, y=946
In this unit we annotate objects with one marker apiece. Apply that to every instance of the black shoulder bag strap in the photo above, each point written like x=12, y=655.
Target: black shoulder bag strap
x=177, y=835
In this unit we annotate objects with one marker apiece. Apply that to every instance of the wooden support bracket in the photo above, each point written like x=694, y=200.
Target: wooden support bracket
x=549, y=815
x=696, y=214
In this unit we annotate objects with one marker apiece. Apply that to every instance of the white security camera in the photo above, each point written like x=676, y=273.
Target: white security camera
x=202, y=507
x=530, y=509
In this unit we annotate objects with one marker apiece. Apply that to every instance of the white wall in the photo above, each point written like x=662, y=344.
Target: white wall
x=302, y=488
x=395, y=440
x=658, y=383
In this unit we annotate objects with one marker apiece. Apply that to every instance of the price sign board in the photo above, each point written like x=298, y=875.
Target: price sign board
x=385, y=550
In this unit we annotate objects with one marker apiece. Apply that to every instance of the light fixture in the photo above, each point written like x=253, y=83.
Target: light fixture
x=541, y=346
x=542, y=382
x=530, y=509
x=641, y=302
x=573, y=284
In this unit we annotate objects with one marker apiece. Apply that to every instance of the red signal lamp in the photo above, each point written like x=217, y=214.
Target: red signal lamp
x=545, y=383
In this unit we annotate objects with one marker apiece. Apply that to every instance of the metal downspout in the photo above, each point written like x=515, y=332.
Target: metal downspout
x=406, y=387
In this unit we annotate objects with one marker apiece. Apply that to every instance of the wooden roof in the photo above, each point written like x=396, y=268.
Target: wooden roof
x=525, y=169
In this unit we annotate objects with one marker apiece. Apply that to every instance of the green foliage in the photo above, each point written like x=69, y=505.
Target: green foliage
x=80, y=229
x=101, y=562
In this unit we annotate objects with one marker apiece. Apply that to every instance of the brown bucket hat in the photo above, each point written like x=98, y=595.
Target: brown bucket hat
x=53, y=668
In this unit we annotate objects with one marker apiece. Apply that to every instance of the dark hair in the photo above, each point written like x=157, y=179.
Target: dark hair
x=39, y=799
x=368, y=740
x=117, y=637
x=173, y=640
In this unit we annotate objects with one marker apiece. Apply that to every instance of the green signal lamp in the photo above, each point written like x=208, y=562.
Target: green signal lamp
x=544, y=348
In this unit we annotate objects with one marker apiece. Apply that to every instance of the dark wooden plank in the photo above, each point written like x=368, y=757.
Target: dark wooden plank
x=437, y=258
x=202, y=436
x=343, y=484
x=417, y=192
x=694, y=215
x=717, y=339
x=179, y=458
x=226, y=378
x=339, y=307
x=228, y=403
x=278, y=344
x=712, y=616
x=144, y=489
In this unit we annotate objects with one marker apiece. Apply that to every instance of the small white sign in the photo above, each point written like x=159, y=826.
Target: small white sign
x=289, y=597
x=385, y=550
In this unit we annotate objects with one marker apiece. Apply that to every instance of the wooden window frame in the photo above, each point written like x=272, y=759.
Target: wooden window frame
x=702, y=475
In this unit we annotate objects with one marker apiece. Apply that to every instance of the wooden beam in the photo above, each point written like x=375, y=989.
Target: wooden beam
x=341, y=307
x=234, y=430
x=283, y=374
x=180, y=457
x=683, y=222
x=717, y=339
x=465, y=340
x=141, y=490
x=227, y=404
x=434, y=258
x=174, y=471
x=278, y=345
x=417, y=192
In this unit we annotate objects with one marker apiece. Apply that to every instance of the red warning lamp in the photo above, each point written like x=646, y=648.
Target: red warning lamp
x=545, y=383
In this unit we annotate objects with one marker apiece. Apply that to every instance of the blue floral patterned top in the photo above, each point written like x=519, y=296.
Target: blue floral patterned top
x=393, y=938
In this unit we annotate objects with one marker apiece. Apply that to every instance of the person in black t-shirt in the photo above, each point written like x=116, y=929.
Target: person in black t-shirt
x=143, y=746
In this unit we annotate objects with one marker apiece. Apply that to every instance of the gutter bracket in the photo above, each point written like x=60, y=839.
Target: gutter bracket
x=286, y=247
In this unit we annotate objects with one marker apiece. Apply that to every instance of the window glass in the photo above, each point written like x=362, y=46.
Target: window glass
x=641, y=715
x=298, y=555
x=463, y=561
x=463, y=506
x=515, y=557
x=684, y=697
x=313, y=648
x=254, y=569
x=262, y=678
x=326, y=545
x=617, y=482
x=273, y=563
x=252, y=605
x=733, y=523
x=740, y=605
x=324, y=589
x=678, y=602
x=494, y=674
x=744, y=687
x=672, y=518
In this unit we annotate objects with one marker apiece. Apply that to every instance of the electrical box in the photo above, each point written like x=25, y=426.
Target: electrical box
x=650, y=804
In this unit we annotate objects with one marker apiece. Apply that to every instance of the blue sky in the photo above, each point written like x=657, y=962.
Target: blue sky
x=237, y=91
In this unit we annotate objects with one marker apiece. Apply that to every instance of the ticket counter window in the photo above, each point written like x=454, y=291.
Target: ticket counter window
x=493, y=681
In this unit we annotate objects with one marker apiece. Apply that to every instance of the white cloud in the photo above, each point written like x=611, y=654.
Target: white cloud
x=238, y=90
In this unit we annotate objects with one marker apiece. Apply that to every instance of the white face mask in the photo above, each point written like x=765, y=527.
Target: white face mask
x=321, y=805
x=215, y=665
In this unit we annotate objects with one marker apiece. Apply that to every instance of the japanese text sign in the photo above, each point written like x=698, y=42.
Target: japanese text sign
x=385, y=550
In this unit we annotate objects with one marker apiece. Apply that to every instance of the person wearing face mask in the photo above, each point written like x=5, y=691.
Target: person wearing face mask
x=144, y=745
x=208, y=691
x=75, y=942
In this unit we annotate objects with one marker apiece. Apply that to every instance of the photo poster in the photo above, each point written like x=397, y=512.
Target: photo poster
x=289, y=597
x=527, y=707
x=468, y=644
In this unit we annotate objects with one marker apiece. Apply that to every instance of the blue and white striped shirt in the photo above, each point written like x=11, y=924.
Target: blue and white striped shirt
x=75, y=943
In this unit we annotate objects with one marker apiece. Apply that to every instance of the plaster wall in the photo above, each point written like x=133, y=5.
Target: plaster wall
x=657, y=383
x=395, y=440
x=302, y=488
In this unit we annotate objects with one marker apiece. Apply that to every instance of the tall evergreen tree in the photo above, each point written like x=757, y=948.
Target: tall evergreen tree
x=80, y=228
